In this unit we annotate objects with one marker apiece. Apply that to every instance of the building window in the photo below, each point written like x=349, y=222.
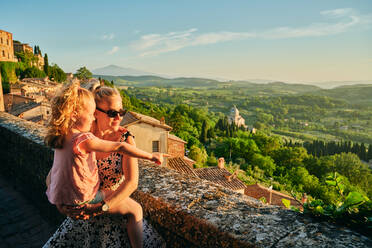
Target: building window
x=1, y=40
x=7, y=42
x=155, y=146
x=3, y=53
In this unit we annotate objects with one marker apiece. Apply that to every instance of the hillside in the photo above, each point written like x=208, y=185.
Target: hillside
x=356, y=94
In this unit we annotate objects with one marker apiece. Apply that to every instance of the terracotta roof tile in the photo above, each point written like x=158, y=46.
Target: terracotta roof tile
x=258, y=186
x=180, y=165
x=174, y=137
x=133, y=117
x=219, y=176
x=23, y=107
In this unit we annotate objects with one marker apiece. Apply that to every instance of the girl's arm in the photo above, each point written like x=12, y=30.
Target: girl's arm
x=100, y=145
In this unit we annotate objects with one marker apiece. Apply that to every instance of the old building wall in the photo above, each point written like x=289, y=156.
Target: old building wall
x=6, y=46
x=176, y=148
x=145, y=134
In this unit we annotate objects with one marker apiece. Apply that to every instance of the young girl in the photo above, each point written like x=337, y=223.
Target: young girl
x=74, y=175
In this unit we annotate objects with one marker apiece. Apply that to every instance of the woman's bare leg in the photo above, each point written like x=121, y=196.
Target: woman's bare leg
x=133, y=210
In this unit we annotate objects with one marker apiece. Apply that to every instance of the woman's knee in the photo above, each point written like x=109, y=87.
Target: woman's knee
x=137, y=211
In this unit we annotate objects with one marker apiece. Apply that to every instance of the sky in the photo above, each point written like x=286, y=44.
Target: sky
x=287, y=40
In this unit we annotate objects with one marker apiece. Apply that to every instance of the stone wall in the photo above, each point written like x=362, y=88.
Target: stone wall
x=189, y=212
x=6, y=46
x=176, y=148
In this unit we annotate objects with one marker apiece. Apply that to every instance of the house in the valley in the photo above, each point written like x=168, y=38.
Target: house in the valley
x=272, y=196
x=153, y=135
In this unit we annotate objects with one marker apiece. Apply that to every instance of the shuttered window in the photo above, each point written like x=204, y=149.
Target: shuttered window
x=155, y=146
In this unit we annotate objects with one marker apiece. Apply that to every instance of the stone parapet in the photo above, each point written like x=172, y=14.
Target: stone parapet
x=189, y=212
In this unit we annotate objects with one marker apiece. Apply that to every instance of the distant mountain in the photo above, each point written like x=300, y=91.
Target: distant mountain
x=114, y=70
x=145, y=81
x=334, y=84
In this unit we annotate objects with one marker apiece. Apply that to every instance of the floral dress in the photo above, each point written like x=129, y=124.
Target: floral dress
x=103, y=230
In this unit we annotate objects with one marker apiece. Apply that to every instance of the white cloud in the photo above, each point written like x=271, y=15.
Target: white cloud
x=113, y=50
x=108, y=36
x=337, y=12
x=154, y=44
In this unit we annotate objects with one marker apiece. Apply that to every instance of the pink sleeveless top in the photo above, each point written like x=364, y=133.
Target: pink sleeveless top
x=74, y=175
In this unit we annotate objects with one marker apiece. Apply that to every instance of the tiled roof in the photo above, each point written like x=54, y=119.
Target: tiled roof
x=133, y=117
x=180, y=165
x=219, y=176
x=174, y=137
x=36, y=118
x=21, y=108
x=258, y=186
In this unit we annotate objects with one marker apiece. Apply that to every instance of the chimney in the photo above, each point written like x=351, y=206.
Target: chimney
x=162, y=120
x=304, y=198
x=221, y=163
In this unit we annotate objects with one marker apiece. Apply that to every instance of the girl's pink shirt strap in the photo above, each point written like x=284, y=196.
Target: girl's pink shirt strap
x=74, y=175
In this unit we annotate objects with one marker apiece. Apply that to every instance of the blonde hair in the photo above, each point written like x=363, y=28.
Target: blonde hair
x=69, y=99
x=101, y=93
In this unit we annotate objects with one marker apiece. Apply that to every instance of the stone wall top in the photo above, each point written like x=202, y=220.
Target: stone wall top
x=201, y=213
x=27, y=129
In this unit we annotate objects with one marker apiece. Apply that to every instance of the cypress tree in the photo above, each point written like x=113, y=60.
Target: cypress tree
x=203, y=133
x=46, y=64
x=363, y=153
x=369, y=154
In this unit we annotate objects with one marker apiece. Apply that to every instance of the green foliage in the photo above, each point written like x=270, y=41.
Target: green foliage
x=199, y=155
x=7, y=70
x=354, y=210
x=46, y=64
x=286, y=203
x=32, y=72
x=27, y=58
x=56, y=73
x=83, y=73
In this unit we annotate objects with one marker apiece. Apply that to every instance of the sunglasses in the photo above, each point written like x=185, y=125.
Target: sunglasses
x=112, y=113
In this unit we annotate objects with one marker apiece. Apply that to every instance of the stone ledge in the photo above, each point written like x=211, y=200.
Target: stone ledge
x=189, y=211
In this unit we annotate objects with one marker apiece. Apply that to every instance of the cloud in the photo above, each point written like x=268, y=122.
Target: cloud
x=107, y=36
x=113, y=50
x=154, y=44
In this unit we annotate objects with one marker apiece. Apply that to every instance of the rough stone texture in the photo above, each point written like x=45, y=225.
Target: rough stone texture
x=20, y=222
x=188, y=211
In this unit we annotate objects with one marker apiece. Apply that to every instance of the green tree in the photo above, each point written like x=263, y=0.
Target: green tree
x=265, y=163
x=56, y=73
x=46, y=64
x=33, y=72
x=199, y=155
x=203, y=133
x=83, y=73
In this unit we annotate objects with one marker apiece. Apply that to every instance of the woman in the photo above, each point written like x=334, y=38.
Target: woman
x=117, y=173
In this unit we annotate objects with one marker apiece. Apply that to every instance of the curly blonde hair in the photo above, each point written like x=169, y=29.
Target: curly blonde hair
x=69, y=99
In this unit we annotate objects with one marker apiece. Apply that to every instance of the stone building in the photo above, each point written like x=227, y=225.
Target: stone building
x=153, y=135
x=32, y=111
x=221, y=176
x=6, y=47
x=19, y=47
x=235, y=117
x=272, y=196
